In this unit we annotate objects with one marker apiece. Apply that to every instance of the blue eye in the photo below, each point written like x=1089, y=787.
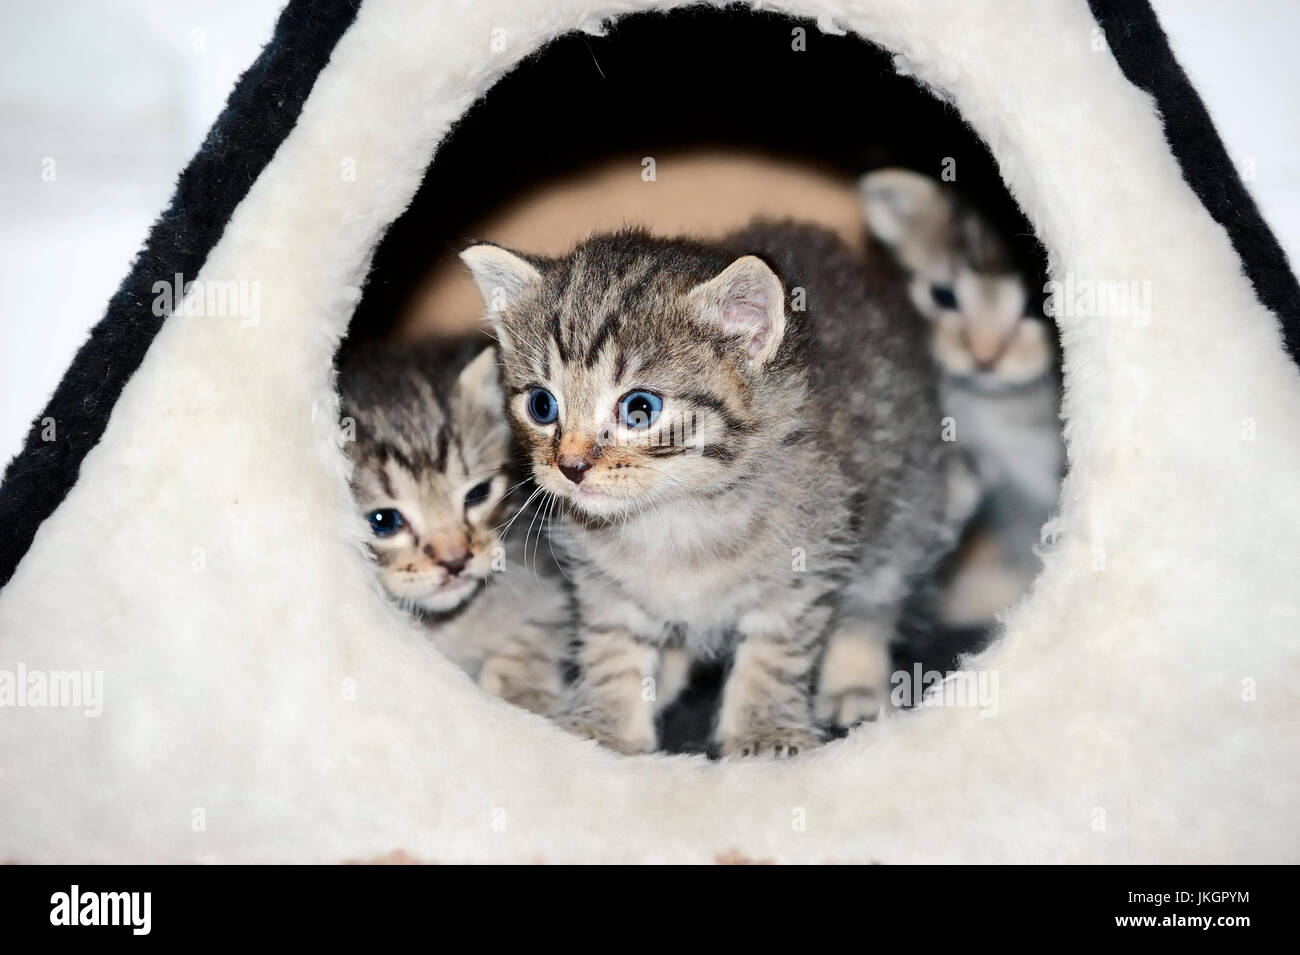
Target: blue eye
x=542, y=406
x=386, y=521
x=639, y=409
x=943, y=296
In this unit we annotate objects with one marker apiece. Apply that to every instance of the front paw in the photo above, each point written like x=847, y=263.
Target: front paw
x=773, y=741
x=849, y=707
x=540, y=701
x=626, y=742
x=535, y=691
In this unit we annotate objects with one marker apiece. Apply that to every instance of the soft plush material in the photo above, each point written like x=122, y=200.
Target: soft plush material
x=262, y=702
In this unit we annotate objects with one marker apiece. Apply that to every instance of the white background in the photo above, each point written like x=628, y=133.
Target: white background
x=119, y=93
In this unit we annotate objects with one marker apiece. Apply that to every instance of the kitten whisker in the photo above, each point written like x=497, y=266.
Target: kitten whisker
x=544, y=511
x=484, y=330
x=504, y=529
x=514, y=487
x=550, y=540
x=536, y=514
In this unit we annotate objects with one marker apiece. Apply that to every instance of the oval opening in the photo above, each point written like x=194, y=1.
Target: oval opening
x=695, y=122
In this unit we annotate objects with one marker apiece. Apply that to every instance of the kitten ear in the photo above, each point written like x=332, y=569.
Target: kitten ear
x=745, y=298
x=501, y=276
x=900, y=204
x=480, y=381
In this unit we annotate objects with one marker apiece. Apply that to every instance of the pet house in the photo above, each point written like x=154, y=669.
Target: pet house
x=188, y=534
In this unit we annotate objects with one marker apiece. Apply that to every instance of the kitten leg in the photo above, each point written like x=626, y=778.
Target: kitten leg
x=674, y=675
x=524, y=672
x=854, y=682
x=766, y=700
x=612, y=700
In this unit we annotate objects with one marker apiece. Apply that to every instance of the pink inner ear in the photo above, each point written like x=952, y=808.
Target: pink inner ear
x=747, y=317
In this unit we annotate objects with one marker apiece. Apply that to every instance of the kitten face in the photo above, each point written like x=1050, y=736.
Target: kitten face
x=431, y=461
x=961, y=280
x=631, y=382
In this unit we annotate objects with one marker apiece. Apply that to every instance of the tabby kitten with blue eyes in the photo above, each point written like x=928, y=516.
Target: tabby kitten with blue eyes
x=736, y=473
x=433, y=469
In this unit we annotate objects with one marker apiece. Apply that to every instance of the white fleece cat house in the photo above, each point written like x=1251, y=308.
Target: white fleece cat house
x=189, y=535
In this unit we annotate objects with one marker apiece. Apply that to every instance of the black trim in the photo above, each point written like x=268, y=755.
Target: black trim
x=1141, y=48
x=261, y=111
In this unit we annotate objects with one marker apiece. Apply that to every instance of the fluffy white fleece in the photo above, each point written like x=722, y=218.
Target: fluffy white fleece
x=1147, y=710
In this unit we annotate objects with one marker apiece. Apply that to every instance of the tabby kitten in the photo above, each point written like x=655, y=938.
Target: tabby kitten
x=743, y=440
x=999, y=377
x=432, y=462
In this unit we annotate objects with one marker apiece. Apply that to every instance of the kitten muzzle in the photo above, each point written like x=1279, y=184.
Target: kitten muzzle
x=576, y=456
x=449, y=550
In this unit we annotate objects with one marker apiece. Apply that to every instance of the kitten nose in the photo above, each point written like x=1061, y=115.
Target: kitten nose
x=455, y=565
x=575, y=468
x=449, y=550
x=577, y=453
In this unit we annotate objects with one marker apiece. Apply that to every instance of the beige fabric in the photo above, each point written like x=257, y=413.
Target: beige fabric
x=698, y=192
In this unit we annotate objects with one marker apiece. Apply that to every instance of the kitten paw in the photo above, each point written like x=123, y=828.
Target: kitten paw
x=536, y=701
x=628, y=745
x=778, y=742
x=538, y=692
x=849, y=707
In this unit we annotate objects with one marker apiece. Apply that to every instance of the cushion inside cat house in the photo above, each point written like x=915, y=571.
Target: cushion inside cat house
x=190, y=538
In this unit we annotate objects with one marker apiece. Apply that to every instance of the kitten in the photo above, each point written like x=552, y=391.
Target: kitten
x=735, y=472
x=999, y=377
x=432, y=473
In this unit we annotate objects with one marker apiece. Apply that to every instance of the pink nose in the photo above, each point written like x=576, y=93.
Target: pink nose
x=449, y=550
x=576, y=455
x=575, y=469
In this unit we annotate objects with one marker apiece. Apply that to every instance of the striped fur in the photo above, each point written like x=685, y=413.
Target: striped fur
x=793, y=485
x=429, y=427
